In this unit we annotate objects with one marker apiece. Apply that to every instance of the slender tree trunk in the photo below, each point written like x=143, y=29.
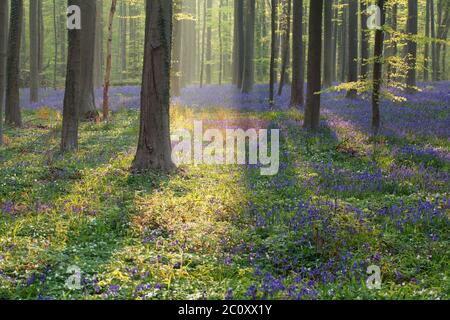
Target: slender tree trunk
x=55, y=30
x=327, y=43
x=298, y=70
x=34, y=50
x=13, y=113
x=220, y=43
x=273, y=51
x=286, y=29
x=123, y=38
x=344, y=41
x=176, y=52
x=41, y=38
x=249, y=49
x=108, y=61
x=98, y=55
x=69, y=135
x=365, y=36
x=433, y=45
x=377, y=72
x=238, y=43
x=352, y=75
x=154, y=148
x=205, y=20
x=4, y=11
x=312, y=110
x=393, y=51
x=88, y=110
x=427, y=41
x=208, y=43
x=412, y=45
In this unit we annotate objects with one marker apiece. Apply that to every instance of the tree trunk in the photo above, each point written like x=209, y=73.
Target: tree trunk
x=344, y=41
x=352, y=75
x=208, y=43
x=176, y=52
x=108, y=61
x=4, y=11
x=298, y=70
x=377, y=72
x=365, y=36
x=433, y=45
x=427, y=41
x=327, y=43
x=286, y=29
x=273, y=51
x=34, y=50
x=98, y=58
x=412, y=45
x=202, y=62
x=154, y=148
x=69, y=135
x=88, y=110
x=238, y=43
x=13, y=114
x=55, y=30
x=249, y=48
x=220, y=43
x=123, y=38
x=312, y=110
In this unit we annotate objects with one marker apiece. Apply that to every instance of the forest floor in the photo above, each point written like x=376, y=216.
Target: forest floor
x=341, y=202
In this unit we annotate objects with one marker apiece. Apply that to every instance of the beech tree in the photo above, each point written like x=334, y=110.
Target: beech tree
x=312, y=109
x=72, y=95
x=12, y=113
x=34, y=50
x=352, y=75
x=4, y=10
x=411, y=58
x=154, y=148
x=298, y=70
x=249, y=48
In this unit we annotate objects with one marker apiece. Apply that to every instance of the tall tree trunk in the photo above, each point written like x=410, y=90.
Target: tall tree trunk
x=55, y=30
x=286, y=32
x=273, y=51
x=12, y=113
x=427, y=42
x=238, y=43
x=220, y=43
x=176, y=52
x=412, y=45
x=327, y=43
x=209, y=43
x=189, y=45
x=123, y=38
x=298, y=70
x=98, y=55
x=377, y=72
x=249, y=49
x=4, y=11
x=365, y=36
x=34, y=50
x=88, y=110
x=335, y=40
x=352, y=75
x=344, y=42
x=69, y=135
x=312, y=109
x=433, y=45
x=154, y=148
x=202, y=62
x=108, y=60
x=41, y=35
x=393, y=51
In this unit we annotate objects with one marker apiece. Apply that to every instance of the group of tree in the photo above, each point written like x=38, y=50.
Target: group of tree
x=185, y=42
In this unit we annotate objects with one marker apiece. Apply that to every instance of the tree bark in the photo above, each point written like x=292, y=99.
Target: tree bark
x=108, y=61
x=412, y=45
x=34, y=50
x=365, y=36
x=298, y=70
x=273, y=51
x=238, y=43
x=69, y=135
x=175, y=72
x=377, y=72
x=312, y=110
x=88, y=110
x=249, y=48
x=286, y=29
x=154, y=148
x=4, y=11
x=327, y=41
x=13, y=113
x=208, y=43
x=352, y=75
